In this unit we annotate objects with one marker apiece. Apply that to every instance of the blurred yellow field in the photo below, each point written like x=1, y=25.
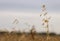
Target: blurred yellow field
x=27, y=37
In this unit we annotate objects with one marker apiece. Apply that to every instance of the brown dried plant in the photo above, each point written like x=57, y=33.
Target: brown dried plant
x=33, y=32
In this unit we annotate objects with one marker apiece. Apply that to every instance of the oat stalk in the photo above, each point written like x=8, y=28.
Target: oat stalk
x=45, y=20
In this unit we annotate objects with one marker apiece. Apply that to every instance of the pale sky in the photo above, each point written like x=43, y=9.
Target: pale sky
x=28, y=11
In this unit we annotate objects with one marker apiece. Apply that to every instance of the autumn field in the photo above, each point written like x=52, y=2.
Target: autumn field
x=27, y=37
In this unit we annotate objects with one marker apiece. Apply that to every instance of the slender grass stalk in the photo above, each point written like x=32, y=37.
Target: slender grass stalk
x=45, y=20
